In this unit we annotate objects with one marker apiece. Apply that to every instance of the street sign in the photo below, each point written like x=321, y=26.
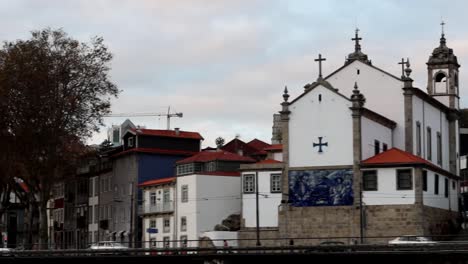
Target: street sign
x=152, y=230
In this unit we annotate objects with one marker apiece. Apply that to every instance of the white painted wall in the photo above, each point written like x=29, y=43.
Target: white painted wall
x=372, y=131
x=430, y=116
x=439, y=200
x=278, y=156
x=217, y=198
x=268, y=206
x=159, y=237
x=330, y=119
x=383, y=93
x=189, y=209
x=387, y=192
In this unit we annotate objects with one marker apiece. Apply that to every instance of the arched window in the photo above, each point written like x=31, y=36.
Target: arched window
x=440, y=83
x=440, y=77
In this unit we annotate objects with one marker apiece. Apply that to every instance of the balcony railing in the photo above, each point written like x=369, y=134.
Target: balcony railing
x=159, y=208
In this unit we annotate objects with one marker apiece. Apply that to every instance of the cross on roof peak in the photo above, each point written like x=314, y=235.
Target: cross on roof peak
x=320, y=59
x=357, y=46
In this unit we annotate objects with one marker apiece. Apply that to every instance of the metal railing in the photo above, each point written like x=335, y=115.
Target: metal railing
x=159, y=208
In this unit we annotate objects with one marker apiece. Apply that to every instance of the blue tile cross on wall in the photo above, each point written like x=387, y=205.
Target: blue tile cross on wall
x=320, y=144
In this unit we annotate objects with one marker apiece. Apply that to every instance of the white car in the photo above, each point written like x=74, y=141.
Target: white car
x=109, y=248
x=407, y=240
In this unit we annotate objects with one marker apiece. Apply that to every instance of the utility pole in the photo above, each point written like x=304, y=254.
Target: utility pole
x=257, y=209
x=132, y=231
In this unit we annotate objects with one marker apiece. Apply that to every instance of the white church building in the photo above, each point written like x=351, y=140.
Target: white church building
x=367, y=155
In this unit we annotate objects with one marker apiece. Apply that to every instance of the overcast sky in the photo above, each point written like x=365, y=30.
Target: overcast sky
x=224, y=64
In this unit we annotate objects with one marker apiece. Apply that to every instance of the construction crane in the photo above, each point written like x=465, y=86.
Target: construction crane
x=168, y=115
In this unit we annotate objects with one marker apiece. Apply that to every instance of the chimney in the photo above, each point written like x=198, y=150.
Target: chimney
x=177, y=131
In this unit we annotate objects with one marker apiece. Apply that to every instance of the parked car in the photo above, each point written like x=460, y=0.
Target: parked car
x=109, y=247
x=408, y=240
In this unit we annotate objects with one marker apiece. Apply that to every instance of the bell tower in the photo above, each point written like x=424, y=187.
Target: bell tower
x=442, y=72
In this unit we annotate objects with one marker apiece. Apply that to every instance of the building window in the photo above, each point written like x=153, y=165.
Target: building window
x=275, y=183
x=167, y=196
x=429, y=144
x=153, y=242
x=95, y=213
x=184, y=193
x=376, y=147
x=166, y=241
x=404, y=179
x=166, y=225
x=153, y=198
x=384, y=147
x=418, y=138
x=185, y=168
x=369, y=180
x=439, y=148
x=436, y=184
x=130, y=142
x=424, y=179
x=152, y=223
x=183, y=223
x=454, y=185
x=183, y=241
x=446, y=187
x=249, y=183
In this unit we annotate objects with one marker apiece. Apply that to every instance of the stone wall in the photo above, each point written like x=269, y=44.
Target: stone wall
x=268, y=237
x=440, y=222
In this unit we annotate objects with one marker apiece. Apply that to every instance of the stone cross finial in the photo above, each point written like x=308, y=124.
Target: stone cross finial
x=320, y=59
x=408, y=69
x=402, y=67
x=285, y=94
x=357, y=46
x=357, y=97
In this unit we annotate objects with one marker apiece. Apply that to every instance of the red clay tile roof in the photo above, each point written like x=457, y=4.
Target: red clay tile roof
x=157, y=182
x=268, y=161
x=218, y=155
x=258, y=144
x=167, y=133
x=395, y=156
x=156, y=151
x=274, y=147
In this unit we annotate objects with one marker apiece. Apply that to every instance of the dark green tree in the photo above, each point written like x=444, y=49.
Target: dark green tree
x=55, y=91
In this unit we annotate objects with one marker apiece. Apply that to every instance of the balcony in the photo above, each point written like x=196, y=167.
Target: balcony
x=159, y=208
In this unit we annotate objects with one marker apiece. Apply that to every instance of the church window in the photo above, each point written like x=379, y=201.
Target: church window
x=440, y=77
x=320, y=98
x=436, y=184
x=446, y=187
x=429, y=144
x=439, y=148
x=384, y=147
x=369, y=180
x=418, y=138
x=249, y=183
x=424, y=178
x=184, y=193
x=358, y=71
x=275, y=183
x=440, y=83
x=404, y=179
x=376, y=147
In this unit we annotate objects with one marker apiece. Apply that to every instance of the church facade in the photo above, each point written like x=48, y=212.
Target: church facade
x=367, y=156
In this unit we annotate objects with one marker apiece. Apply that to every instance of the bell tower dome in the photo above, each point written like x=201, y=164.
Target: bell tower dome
x=442, y=72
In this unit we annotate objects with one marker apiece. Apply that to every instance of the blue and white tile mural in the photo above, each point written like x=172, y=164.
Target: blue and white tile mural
x=321, y=187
